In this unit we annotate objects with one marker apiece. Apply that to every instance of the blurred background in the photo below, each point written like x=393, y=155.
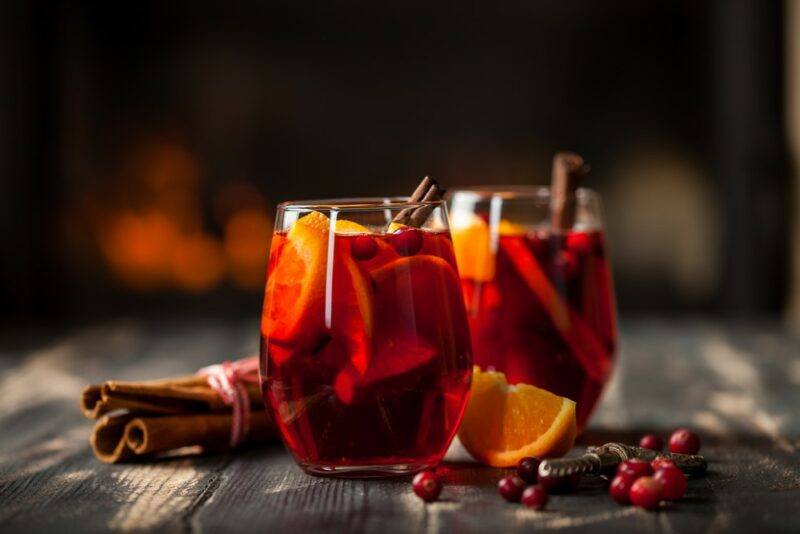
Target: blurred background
x=144, y=145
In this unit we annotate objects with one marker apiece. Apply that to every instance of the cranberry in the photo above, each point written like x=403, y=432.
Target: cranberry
x=652, y=442
x=684, y=441
x=511, y=488
x=407, y=241
x=674, y=482
x=427, y=485
x=565, y=264
x=646, y=493
x=363, y=247
x=560, y=484
x=528, y=469
x=579, y=242
x=620, y=487
x=661, y=462
x=535, y=497
x=635, y=468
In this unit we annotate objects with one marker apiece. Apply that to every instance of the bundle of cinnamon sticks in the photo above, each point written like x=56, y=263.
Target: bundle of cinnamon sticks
x=157, y=417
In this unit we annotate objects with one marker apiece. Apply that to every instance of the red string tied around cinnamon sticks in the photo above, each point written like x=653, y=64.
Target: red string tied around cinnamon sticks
x=229, y=379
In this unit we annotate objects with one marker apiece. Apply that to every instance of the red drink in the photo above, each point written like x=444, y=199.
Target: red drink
x=541, y=306
x=366, y=347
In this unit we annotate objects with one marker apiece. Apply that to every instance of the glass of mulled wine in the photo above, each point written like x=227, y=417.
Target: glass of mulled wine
x=540, y=300
x=365, y=348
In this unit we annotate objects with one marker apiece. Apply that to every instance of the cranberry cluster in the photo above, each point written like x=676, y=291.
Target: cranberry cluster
x=515, y=488
x=646, y=484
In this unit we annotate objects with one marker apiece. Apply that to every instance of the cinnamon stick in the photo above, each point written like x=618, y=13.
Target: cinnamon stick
x=177, y=395
x=151, y=418
x=428, y=190
x=569, y=170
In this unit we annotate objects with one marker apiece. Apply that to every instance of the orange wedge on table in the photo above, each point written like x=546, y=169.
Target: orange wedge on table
x=505, y=423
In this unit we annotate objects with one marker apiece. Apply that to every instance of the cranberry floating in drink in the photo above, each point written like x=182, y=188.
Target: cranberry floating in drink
x=537, y=283
x=366, y=358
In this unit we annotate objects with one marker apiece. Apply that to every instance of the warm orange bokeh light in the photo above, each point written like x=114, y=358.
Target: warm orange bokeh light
x=198, y=263
x=138, y=248
x=247, y=239
x=151, y=227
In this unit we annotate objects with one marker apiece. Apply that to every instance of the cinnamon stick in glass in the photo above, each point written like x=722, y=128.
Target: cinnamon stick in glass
x=569, y=170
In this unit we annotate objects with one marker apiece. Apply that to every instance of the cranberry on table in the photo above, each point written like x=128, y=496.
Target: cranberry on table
x=528, y=469
x=560, y=484
x=661, y=462
x=635, y=467
x=684, y=441
x=427, y=485
x=673, y=481
x=646, y=493
x=652, y=442
x=363, y=247
x=407, y=241
x=511, y=488
x=620, y=488
x=534, y=497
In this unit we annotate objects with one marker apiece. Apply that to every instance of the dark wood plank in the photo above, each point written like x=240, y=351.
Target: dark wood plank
x=736, y=384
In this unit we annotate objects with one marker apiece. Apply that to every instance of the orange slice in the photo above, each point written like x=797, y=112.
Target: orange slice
x=472, y=245
x=504, y=423
x=421, y=296
x=343, y=226
x=295, y=293
x=294, y=318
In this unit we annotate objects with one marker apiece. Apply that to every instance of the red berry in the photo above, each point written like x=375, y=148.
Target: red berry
x=511, y=488
x=565, y=264
x=560, y=484
x=652, y=442
x=535, y=497
x=427, y=486
x=407, y=241
x=579, y=242
x=620, y=487
x=684, y=441
x=673, y=481
x=661, y=462
x=646, y=493
x=528, y=469
x=363, y=247
x=635, y=468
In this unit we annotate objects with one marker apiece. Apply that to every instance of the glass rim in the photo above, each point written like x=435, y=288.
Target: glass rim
x=357, y=204
x=514, y=192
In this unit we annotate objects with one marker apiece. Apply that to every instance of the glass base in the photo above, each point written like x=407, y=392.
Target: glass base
x=364, y=471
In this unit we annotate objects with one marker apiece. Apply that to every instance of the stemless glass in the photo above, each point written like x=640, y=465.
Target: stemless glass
x=365, y=348
x=540, y=302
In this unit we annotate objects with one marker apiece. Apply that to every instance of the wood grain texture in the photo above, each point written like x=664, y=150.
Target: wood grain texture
x=737, y=384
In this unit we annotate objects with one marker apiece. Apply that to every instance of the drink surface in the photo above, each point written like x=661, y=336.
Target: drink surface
x=541, y=308
x=366, y=347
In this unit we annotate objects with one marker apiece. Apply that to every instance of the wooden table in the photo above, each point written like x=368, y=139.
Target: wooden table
x=737, y=384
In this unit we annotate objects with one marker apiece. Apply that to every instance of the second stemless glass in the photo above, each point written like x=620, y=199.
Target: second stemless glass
x=366, y=359
x=540, y=302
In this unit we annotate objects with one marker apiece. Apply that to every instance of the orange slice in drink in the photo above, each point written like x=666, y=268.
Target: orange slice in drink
x=421, y=296
x=295, y=319
x=294, y=308
x=473, y=247
x=505, y=423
